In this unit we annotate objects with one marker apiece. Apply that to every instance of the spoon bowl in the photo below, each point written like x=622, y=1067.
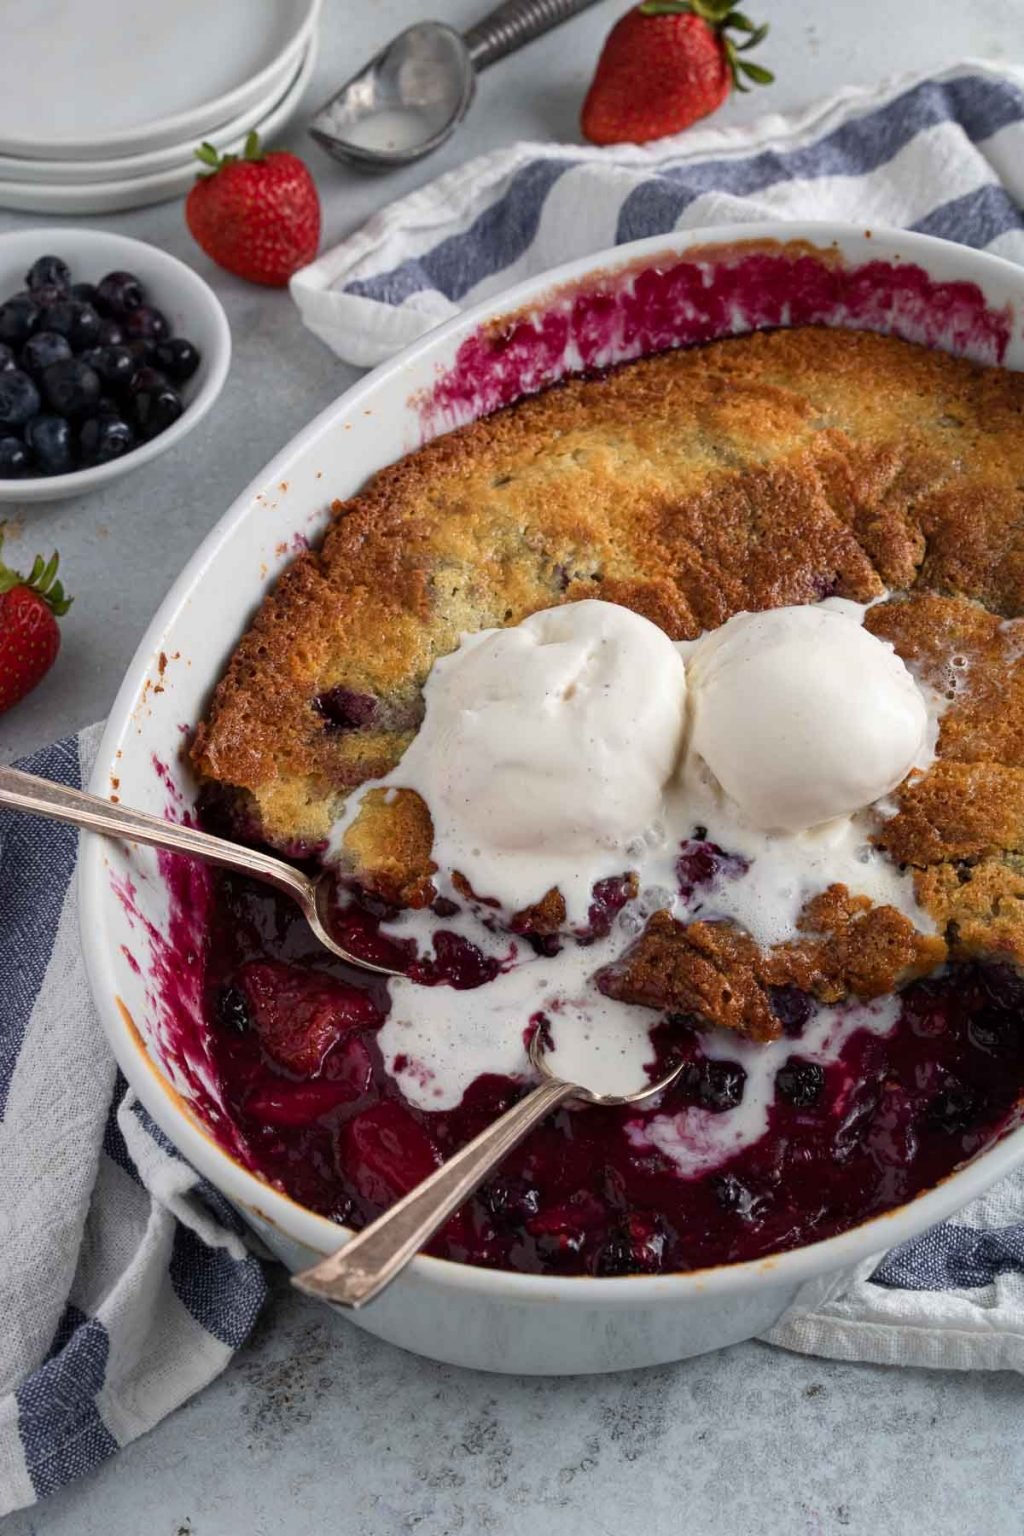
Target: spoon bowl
x=403, y=104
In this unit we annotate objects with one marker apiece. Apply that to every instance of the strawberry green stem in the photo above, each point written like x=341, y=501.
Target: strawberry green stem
x=722, y=18
x=207, y=154
x=41, y=579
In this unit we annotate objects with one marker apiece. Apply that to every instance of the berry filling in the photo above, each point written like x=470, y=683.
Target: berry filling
x=293, y=1037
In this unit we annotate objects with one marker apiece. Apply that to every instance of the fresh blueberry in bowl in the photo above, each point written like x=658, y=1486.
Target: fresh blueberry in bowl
x=110, y=333
x=77, y=321
x=50, y=441
x=71, y=387
x=19, y=398
x=15, y=459
x=18, y=316
x=146, y=323
x=115, y=365
x=48, y=272
x=105, y=437
x=42, y=349
x=177, y=358
x=119, y=293
x=6, y=357
x=155, y=402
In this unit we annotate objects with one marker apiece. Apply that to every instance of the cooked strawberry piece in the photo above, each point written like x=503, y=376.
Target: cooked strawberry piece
x=350, y=1064
x=296, y=1104
x=385, y=1153
x=299, y=1015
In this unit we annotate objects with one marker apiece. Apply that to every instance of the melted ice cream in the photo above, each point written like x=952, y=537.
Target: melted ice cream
x=582, y=744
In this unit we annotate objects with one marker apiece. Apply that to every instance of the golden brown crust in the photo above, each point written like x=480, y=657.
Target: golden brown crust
x=717, y=972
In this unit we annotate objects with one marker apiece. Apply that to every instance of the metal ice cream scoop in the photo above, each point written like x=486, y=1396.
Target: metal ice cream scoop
x=410, y=98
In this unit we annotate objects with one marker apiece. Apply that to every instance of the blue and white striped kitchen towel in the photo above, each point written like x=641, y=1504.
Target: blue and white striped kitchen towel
x=124, y=1283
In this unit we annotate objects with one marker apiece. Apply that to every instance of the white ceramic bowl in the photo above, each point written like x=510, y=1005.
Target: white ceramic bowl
x=648, y=296
x=189, y=303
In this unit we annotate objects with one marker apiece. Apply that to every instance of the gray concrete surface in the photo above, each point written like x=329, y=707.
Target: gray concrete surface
x=316, y=1427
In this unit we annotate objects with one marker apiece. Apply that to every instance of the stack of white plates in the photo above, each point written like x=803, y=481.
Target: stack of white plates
x=104, y=103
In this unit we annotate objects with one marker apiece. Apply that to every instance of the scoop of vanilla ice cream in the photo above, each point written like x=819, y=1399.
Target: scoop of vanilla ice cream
x=802, y=715
x=545, y=749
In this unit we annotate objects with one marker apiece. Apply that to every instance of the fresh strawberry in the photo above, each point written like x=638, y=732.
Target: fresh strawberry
x=258, y=216
x=665, y=64
x=29, y=633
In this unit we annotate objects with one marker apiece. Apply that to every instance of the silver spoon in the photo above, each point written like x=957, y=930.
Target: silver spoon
x=412, y=96
x=41, y=797
x=372, y=1259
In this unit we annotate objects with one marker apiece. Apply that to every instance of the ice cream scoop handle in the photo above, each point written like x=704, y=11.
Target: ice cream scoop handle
x=511, y=25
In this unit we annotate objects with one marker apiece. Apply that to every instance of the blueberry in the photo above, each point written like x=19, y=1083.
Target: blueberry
x=120, y=292
x=176, y=357
x=18, y=319
x=48, y=271
x=19, y=398
x=110, y=333
x=15, y=459
x=953, y=1110
x=77, y=321
x=146, y=323
x=1005, y=987
x=637, y=1248
x=800, y=1083
x=71, y=387
x=115, y=365
x=42, y=349
x=792, y=1008
x=232, y=1010
x=733, y=1195
x=47, y=297
x=84, y=292
x=142, y=349
x=6, y=358
x=345, y=710
x=103, y=438
x=510, y=1199
x=49, y=438
x=155, y=403
x=993, y=1033
x=718, y=1085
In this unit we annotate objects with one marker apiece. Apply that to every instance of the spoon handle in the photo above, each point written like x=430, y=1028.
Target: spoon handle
x=516, y=22
x=372, y=1259
x=41, y=797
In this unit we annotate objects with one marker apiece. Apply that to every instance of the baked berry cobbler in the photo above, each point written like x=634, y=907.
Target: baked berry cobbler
x=678, y=712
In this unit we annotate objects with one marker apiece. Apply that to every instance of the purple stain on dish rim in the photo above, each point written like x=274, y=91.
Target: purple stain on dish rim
x=639, y=311
x=174, y=973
